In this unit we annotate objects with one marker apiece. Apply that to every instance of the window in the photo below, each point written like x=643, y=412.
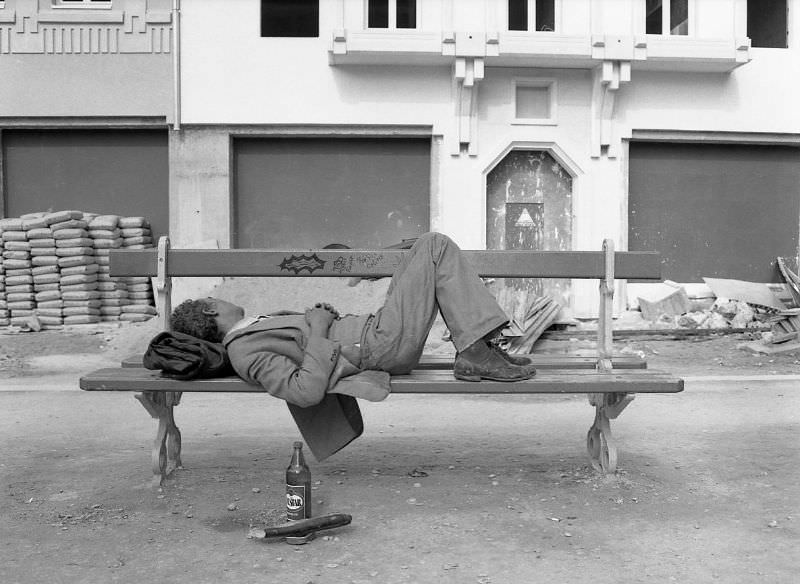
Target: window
x=767, y=23
x=676, y=24
x=289, y=18
x=538, y=15
x=534, y=101
x=391, y=13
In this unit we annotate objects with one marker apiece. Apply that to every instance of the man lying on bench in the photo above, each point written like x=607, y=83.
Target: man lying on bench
x=302, y=357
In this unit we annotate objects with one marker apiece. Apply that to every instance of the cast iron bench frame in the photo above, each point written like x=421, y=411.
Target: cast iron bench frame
x=611, y=381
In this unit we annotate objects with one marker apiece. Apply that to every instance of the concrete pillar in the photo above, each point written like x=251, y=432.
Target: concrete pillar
x=200, y=187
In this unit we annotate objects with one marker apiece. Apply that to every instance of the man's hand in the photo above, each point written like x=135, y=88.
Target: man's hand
x=320, y=317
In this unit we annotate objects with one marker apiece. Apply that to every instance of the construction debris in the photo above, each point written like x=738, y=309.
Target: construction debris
x=784, y=336
x=768, y=349
x=673, y=301
x=523, y=333
x=754, y=293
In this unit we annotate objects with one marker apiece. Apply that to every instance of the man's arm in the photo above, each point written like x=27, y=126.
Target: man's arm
x=304, y=385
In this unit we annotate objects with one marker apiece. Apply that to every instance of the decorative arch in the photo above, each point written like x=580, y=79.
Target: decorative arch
x=529, y=202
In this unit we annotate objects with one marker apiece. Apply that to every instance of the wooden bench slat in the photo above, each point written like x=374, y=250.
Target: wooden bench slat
x=559, y=381
x=333, y=263
x=541, y=361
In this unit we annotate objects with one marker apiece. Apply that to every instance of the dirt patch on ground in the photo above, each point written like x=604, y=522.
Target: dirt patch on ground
x=24, y=354
x=442, y=490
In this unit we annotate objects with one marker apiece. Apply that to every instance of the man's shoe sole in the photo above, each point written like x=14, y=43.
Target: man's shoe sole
x=464, y=377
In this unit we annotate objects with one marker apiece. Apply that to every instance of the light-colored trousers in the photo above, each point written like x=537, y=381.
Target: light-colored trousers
x=433, y=277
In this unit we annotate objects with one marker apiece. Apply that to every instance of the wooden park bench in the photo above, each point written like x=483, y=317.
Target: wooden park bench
x=611, y=381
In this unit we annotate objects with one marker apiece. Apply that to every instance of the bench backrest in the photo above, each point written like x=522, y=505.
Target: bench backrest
x=367, y=263
x=606, y=265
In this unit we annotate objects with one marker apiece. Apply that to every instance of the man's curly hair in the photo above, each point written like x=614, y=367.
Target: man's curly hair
x=189, y=318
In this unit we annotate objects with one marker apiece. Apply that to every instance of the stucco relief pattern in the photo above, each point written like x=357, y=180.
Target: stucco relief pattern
x=42, y=27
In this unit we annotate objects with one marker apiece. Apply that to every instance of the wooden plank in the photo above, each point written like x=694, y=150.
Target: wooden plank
x=562, y=381
x=541, y=361
x=334, y=263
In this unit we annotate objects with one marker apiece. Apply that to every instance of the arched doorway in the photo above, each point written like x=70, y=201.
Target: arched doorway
x=529, y=206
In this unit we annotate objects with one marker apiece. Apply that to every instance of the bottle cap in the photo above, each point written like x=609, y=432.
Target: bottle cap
x=298, y=444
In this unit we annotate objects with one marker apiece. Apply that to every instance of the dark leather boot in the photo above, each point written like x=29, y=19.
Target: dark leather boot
x=494, y=345
x=479, y=361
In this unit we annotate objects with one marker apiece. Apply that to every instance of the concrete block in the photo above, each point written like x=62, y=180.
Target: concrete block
x=674, y=303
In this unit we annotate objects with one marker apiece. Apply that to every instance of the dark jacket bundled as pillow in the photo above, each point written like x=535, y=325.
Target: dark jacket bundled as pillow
x=182, y=356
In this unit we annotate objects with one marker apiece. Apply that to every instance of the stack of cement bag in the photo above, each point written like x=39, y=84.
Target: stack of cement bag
x=3, y=304
x=19, y=292
x=112, y=292
x=136, y=234
x=56, y=267
x=130, y=298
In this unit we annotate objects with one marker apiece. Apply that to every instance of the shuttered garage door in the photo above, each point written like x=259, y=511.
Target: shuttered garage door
x=120, y=172
x=715, y=210
x=309, y=192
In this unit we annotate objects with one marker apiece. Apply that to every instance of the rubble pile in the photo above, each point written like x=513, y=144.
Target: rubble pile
x=55, y=270
x=731, y=304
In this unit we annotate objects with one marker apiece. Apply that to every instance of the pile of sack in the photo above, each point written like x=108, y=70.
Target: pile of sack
x=55, y=267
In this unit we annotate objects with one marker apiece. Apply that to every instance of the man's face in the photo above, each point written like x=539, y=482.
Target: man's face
x=225, y=313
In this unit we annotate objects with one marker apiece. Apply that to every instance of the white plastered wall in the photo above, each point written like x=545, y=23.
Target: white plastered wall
x=241, y=78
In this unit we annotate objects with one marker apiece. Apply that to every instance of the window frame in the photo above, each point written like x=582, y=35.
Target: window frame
x=551, y=84
x=531, y=25
x=666, y=29
x=392, y=8
x=80, y=4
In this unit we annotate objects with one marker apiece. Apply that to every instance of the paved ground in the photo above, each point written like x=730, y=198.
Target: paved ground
x=708, y=488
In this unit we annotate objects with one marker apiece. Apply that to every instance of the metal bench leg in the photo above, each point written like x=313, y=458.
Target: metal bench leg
x=166, y=454
x=599, y=441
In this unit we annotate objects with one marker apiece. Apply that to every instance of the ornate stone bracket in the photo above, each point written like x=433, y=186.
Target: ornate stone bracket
x=607, y=80
x=467, y=73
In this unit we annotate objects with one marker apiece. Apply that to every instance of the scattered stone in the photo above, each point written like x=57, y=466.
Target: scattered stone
x=670, y=301
x=233, y=507
x=256, y=490
x=450, y=566
x=417, y=473
x=772, y=523
x=692, y=320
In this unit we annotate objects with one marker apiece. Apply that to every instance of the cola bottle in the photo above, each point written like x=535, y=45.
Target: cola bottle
x=298, y=486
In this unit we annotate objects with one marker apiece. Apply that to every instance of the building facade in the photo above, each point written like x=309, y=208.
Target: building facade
x=543, y=124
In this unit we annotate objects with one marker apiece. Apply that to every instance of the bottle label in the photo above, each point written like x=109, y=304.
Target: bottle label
x=295, y=502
